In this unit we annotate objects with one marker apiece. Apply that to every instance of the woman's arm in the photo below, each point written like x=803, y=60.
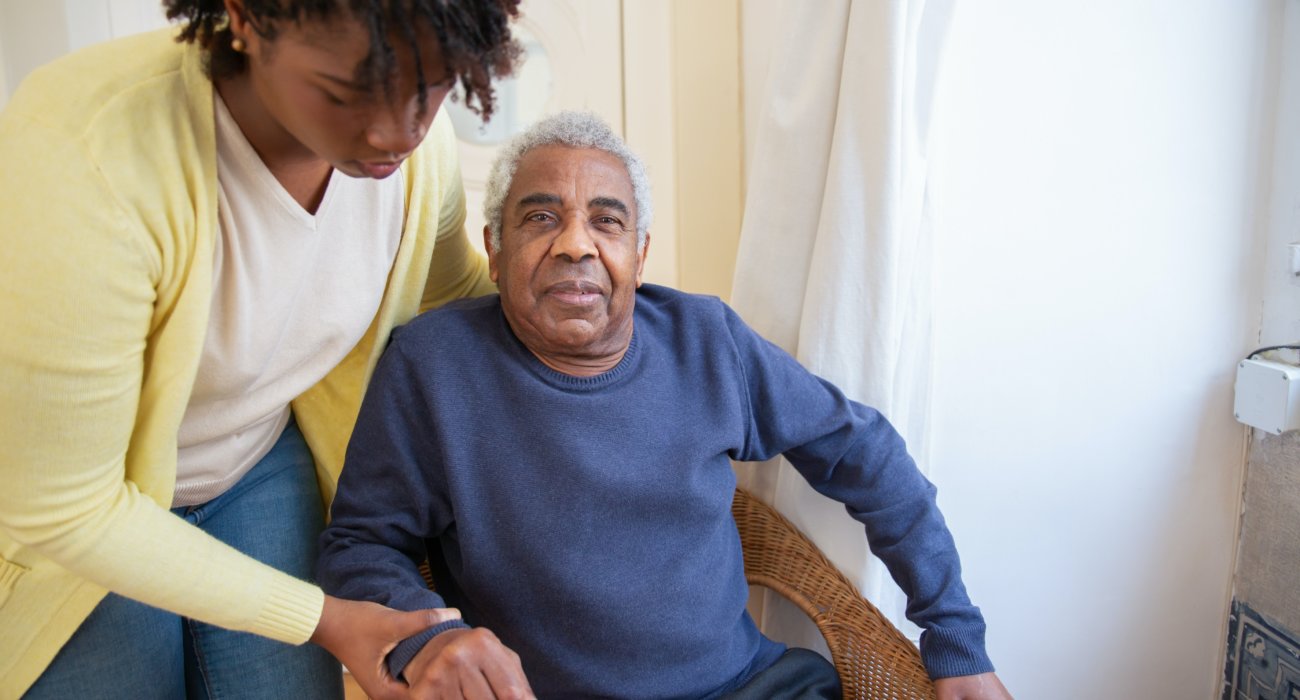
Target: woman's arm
x=88, y=462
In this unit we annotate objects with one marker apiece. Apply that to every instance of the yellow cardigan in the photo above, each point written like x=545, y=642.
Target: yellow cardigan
x=108, y=220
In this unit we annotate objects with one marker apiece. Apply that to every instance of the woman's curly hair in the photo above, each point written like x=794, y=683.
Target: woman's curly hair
x=474, y=36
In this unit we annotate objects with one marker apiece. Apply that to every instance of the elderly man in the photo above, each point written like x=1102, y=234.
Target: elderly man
x=563, y=451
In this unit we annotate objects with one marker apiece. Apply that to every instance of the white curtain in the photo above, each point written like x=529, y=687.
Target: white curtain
x=834, y=261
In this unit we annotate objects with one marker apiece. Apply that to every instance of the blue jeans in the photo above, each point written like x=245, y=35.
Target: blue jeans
x=126, y=649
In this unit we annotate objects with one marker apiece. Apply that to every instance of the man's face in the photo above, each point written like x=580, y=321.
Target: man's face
x=569, y=265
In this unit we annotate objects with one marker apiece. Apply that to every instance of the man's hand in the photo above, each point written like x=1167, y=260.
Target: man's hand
x=985, y=686
x=467, y=663
x=361, y=634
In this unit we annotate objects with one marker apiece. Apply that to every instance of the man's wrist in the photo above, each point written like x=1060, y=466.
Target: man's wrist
x=955, y=651
x=408, y=648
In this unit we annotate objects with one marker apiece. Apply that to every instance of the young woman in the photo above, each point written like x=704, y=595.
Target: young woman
x=204, y=244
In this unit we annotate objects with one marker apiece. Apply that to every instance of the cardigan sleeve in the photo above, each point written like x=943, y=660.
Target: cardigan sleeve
x=79, y=280
x=457, y=269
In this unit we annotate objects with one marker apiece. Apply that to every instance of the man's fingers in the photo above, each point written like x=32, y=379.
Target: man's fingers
x=508, y=681
x=505, y=674
x=473, y=686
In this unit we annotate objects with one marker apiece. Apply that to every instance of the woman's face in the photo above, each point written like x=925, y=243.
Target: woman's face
x=305, y=81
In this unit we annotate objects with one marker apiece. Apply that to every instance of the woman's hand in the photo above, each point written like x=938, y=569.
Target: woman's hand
x=361, y=634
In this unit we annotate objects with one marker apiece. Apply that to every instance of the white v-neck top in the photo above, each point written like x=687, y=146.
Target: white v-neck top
x=293, y=292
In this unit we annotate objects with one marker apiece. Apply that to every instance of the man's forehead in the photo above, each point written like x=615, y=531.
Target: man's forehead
x=552, y=170
x=569, y=161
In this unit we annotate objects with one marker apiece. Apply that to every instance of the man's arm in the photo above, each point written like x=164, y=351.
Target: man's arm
x=389, y=501
x=850, y=453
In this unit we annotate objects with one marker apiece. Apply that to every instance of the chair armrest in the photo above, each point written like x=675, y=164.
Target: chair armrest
x=874, y=660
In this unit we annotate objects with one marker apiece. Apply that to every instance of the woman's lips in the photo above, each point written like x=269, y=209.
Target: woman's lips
x=380, y=171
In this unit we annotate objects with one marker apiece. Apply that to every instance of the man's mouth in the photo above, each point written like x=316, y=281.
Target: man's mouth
x=577, y=292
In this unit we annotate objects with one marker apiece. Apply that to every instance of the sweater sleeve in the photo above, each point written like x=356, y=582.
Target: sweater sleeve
x=387, y=504
x=78, y=276
x=850, y=453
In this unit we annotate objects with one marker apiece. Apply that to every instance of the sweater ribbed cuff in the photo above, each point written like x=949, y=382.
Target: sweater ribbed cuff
x=292, y=611
x=954, y=651
x=406, y=650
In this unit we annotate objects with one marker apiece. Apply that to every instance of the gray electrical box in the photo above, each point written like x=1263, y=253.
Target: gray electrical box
x=1268, y=395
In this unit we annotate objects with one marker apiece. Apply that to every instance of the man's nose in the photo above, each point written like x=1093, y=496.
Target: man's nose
x=575, y=241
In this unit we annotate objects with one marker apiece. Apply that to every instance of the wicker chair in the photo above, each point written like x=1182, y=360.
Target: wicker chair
x=875, y=661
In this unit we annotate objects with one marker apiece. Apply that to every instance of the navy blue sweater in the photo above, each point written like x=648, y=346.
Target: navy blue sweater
x=587, y=521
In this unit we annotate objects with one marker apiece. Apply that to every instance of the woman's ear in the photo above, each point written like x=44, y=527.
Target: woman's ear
x=240, y=27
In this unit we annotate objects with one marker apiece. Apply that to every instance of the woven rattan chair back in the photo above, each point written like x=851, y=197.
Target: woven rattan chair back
x=875, y=661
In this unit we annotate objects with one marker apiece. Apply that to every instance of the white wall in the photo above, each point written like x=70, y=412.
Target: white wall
x=31, y=34
x=34, y=32
x=1097, y=253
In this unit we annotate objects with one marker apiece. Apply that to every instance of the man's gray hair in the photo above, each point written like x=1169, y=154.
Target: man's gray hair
x=576, y=130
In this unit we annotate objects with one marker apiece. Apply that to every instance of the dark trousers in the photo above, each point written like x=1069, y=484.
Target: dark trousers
x=799, y=674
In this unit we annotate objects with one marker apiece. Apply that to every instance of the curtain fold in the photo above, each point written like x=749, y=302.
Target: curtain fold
x=834, y=261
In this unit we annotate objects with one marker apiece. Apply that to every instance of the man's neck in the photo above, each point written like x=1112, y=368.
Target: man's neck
x=587, y=360
x=581, y=366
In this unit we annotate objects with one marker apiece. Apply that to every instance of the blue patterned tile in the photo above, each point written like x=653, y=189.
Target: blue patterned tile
x=1263, y=660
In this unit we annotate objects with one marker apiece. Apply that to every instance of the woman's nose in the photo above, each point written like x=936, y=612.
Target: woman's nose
x=396, y=133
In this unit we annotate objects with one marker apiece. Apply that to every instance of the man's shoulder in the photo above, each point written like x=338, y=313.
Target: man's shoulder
x=684, y=309
x=654, y=298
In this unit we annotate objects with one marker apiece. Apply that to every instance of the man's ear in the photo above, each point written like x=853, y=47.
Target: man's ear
x=492, y=254
x=640, y=262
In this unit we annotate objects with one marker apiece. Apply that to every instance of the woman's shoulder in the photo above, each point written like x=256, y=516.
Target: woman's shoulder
x=127, y=78
x=118, y=139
